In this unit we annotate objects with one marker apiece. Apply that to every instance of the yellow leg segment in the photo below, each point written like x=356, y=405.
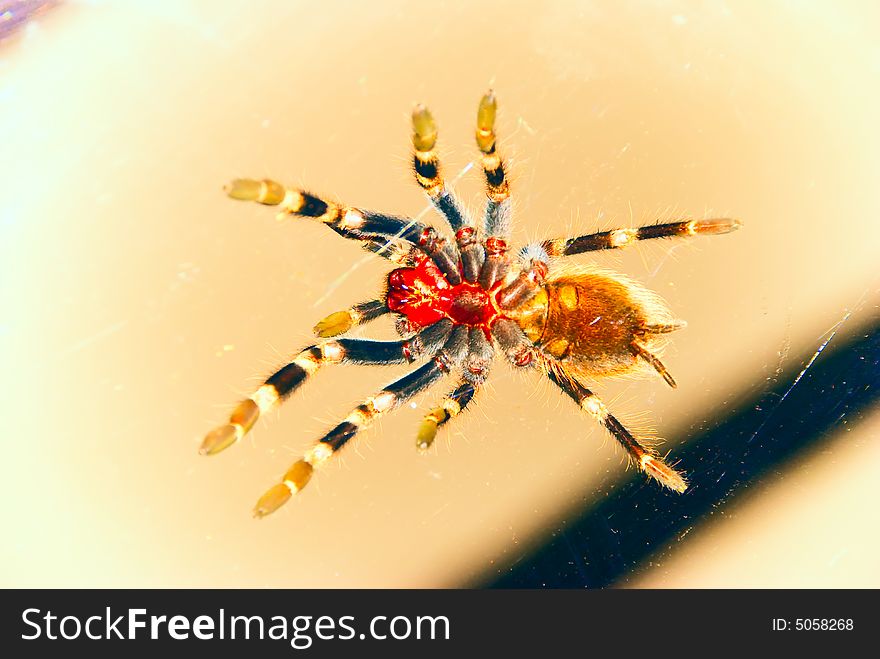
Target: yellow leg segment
x=425, y=162
x=450, y=407
x=497, y=186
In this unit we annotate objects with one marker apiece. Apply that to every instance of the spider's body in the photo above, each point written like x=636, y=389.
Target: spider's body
x=458, y=302
x=423, y=295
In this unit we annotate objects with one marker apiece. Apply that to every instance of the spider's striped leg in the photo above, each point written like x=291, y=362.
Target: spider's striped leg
x=429, y=176
x=348, y=222
x=646, y=459
x=428, y=172
x=392, y=396
x=617, y=238
x=496, y=221
x=498, y=215
x=285, y=381
x=475, y=370
x=340, y=322
x=449, y=407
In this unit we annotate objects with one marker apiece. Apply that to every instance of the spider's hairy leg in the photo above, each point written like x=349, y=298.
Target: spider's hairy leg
x=496, y=221
x=285, y=381
x=349, y=222
x=475, y=370
x=279, y=385
x=291, y=200
x=479, y=357
x=363, y=415
x=516, y=346
x=617, y=238
x=646, y=459
x=428, y=172
x=354, y=223
x=472, y=253
x=449, y=407
x=340, y=322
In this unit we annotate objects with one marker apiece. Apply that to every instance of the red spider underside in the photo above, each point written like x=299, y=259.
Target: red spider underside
x=424, y=296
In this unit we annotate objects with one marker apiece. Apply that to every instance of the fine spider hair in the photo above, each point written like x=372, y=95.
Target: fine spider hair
x=457, y=303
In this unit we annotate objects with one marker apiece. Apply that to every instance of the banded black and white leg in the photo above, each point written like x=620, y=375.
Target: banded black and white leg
x=475, y=370
x=618, y=238
x=429, y=176
x=391, y=397
x=451, y=406
x=288, y=379
x=520, y=352
x=383, y=234
x=643, y=457
x=498, y=214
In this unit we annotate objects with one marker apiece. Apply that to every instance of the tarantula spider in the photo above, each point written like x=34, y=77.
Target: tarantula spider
x=455, y=303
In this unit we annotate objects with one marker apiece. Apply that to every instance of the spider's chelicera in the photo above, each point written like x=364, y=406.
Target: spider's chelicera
x=456, y=304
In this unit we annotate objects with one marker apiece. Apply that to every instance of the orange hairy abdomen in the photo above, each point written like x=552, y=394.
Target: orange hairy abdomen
x=590, y=319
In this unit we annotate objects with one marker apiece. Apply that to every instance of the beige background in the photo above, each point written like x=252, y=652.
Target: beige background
x=139, y=303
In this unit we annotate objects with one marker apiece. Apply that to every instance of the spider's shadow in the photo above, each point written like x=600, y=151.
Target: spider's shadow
x=617, y=533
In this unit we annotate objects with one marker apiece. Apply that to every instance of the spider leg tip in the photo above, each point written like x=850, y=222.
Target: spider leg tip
x=275, y=497
x=334, y=324
x=243, y=189
x=219, y=439
x=427, y=434
x=424, y=128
